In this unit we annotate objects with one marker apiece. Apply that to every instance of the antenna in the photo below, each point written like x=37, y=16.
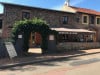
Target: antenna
x=67, y=2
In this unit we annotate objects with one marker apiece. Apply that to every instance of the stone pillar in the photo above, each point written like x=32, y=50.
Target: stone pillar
x=52, y=44
x=19, y=45
x=94, y=38
x=30, y=40
x=98, y=36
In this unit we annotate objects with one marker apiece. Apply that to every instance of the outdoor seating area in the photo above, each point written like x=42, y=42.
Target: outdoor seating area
x=75, y=35
x=76, y=39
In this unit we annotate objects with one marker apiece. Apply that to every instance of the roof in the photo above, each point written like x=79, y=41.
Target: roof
x=72, y=30
x=5, y=3
x=78, y=9
x=85, y=10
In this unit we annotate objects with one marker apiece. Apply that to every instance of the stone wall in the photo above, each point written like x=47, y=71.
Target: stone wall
x=13, y=13
x=77, y=46
x=1, y=16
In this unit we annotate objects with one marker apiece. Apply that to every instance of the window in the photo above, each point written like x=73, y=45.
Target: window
x=68, y=38
x=92, y=19
x=98, y=20
x=65, y=19
x=77, y=19
x=0, y=24
x=63, y=37
x=25, y=15
x=85, y=19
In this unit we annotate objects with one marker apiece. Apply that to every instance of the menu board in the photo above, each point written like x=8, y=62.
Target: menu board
x=10, y=49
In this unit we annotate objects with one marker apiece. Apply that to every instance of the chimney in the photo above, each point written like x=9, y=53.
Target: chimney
x=67, y=2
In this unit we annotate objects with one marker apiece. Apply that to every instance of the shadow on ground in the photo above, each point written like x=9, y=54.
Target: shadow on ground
x=32, y=66
x=62, y=57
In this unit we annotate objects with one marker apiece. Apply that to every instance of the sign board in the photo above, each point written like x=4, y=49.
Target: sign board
x=67, y=32
x=10, y=49
x=51, y=37
x=19, y=36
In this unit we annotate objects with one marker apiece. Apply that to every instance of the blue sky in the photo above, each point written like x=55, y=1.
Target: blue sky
x=56, y=4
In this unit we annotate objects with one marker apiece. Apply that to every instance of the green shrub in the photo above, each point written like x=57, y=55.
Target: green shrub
x=35, y=25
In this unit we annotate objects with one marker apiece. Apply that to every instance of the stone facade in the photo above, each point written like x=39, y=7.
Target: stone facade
x=1, y=16
x=13, y=13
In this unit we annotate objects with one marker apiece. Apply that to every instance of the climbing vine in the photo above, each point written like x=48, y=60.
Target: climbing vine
x=35, y=25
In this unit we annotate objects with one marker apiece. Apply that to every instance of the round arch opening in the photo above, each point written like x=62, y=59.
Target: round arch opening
x=26, y=27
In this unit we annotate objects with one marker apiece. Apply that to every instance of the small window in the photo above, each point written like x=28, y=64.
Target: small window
x=65, y=19
x=25, y=15
x=98, y=20
x=77, y=19
x=85, y=19
x=92, y=19
x=0, y=24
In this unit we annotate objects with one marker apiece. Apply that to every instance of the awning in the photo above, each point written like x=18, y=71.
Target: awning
x=72, y=31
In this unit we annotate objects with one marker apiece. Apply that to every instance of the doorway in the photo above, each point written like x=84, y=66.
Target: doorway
x=35, y=43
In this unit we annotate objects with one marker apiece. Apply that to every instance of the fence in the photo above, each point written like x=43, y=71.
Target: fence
x=66, y=46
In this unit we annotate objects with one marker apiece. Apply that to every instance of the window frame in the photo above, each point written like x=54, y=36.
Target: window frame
x=87, y=19
x=26, y=12
x=92, y=16
x=96, y=20
x=77, y=19
x=65, y=19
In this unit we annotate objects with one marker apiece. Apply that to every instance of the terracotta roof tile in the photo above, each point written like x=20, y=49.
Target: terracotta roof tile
x=85, y=10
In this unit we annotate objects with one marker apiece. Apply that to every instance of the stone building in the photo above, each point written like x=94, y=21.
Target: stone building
x=85, y=18
x=69, y=17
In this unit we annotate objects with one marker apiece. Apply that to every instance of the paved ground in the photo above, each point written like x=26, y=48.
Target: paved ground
x=72, y=65
x=39, y=57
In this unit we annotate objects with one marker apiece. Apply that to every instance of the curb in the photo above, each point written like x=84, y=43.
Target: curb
x=39, y=61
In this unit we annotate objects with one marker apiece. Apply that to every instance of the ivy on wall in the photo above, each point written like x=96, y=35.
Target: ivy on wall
x=35, y=25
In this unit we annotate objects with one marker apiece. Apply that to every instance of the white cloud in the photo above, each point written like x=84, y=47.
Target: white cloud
x=72, y=3
x=75, y=2
x=57, y=7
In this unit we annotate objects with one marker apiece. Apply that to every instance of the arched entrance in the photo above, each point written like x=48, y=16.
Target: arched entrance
x=26, y=28
x=35, y=41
